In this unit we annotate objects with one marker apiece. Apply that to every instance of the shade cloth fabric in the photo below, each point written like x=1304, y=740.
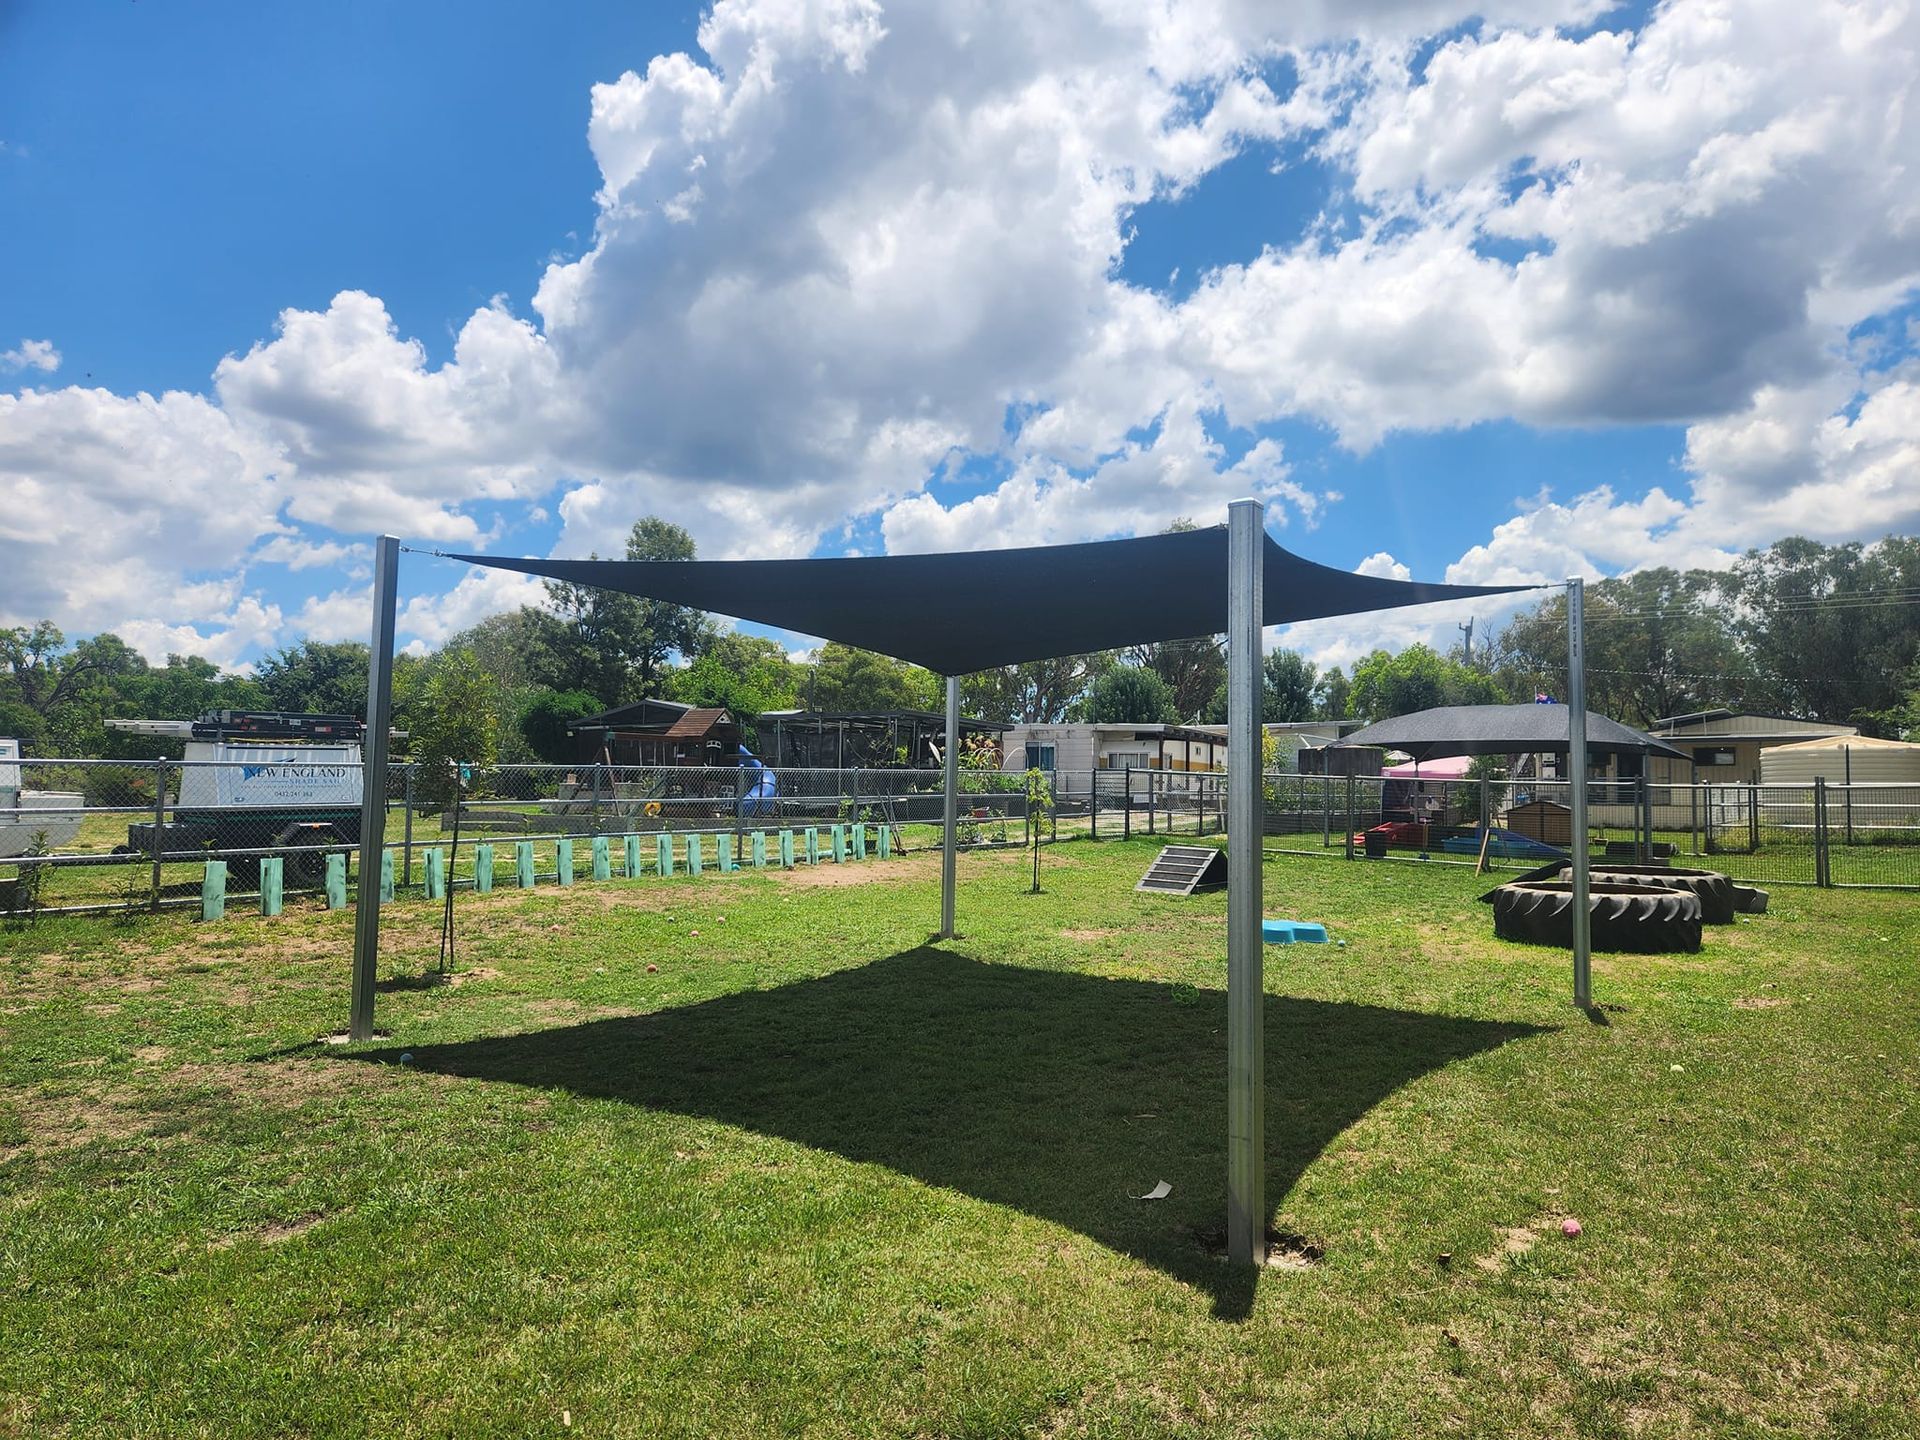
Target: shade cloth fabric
x=961, y=612
x=1502, y=730
x=1447, y=767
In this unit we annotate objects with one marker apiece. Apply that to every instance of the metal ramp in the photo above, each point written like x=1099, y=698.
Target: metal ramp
x=1186, y=870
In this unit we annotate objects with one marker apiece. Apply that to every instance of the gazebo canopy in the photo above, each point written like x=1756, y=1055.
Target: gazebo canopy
x=972, y=610
x=1502, y=730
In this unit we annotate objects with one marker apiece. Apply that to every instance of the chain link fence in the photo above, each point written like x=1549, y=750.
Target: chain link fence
x=1818, y=834
x=101, y=835
x=94, y=835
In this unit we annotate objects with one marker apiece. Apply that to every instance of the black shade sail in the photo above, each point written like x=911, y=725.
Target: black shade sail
x=1502, y=730
x=962, y=612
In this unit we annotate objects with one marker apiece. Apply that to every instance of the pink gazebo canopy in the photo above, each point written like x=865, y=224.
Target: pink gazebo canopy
x=1441, y=767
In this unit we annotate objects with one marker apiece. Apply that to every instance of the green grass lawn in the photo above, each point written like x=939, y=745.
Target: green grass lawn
x=746, y=1155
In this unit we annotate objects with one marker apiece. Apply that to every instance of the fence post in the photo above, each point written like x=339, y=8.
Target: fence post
x=1753, y=818
x=1846, y=795
x=406, y=830
x=1153, y=817
x=1643, y=818
x=1349, y=815
x=1126, y=815
x=1822, y=862
x=1093, y=804
x=159, y=826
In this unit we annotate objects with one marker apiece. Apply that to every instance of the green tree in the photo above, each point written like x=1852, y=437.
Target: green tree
x=1658, y=644
x=614, y=646
x=1035, y=692
x=187, y=687
x=452, y=724
x=747, y=675
x=1330, y=695
x=846, y=678
x=665, y=629
x=22, y=723
x=1289, y=681
x=1286, y=690
x=1192, y=671
x=1039, y=807
x=506, y=646
x=70, y=688
x=1829, y=629
x=1416, y=679
x=317, y=678
x=1131, y=694
x=544, y=719
x=585, y=642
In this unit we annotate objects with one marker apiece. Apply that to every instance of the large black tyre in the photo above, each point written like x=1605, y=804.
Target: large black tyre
x=1717, y=900
x=1714, y=890
x=1625, y=918
x=304, y=867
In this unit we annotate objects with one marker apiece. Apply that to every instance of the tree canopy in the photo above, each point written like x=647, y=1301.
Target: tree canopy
x=1132, y=695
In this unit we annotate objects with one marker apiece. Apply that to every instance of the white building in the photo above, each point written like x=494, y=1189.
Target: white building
x=1074, y=749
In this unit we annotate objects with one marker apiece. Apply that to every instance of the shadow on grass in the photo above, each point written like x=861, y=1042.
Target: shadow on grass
x=1059, y=1094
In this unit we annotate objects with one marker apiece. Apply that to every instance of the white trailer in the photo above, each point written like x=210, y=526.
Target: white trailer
x=30, y=819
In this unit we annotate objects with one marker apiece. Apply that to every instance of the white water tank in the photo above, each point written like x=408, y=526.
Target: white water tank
x=1839, y=759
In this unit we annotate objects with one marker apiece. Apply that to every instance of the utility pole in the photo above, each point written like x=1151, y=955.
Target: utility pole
x=1467, y=630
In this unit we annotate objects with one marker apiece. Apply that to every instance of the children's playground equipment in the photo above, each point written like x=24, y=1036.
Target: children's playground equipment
x=762, y=791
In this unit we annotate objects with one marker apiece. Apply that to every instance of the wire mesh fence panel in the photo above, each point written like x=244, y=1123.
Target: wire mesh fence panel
x=93, y=834
x=1765, y=833
x=1873, y=834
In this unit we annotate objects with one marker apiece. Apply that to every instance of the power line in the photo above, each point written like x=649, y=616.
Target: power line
x=1838, y=600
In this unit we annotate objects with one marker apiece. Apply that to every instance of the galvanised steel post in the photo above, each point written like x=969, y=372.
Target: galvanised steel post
x=1246, y=1033
x=159, y=826
x=950, y=809
x=406, y=842
x=1577, y=769
x=373, y=788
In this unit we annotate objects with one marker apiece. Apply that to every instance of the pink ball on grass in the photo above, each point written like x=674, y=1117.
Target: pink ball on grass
x=1569, y=1227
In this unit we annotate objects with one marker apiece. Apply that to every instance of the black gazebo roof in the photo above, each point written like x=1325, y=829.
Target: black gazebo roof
x=1501, y=730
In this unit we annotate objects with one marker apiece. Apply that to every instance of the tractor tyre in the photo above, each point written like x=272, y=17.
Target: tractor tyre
x=1625, y=918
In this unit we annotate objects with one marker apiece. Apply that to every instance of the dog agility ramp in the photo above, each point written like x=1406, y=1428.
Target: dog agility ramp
x=1186, y=869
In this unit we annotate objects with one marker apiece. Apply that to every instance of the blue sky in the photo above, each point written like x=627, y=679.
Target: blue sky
x=1465, y=292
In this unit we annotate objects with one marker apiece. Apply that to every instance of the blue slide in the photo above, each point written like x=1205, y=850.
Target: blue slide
x=763, y=787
